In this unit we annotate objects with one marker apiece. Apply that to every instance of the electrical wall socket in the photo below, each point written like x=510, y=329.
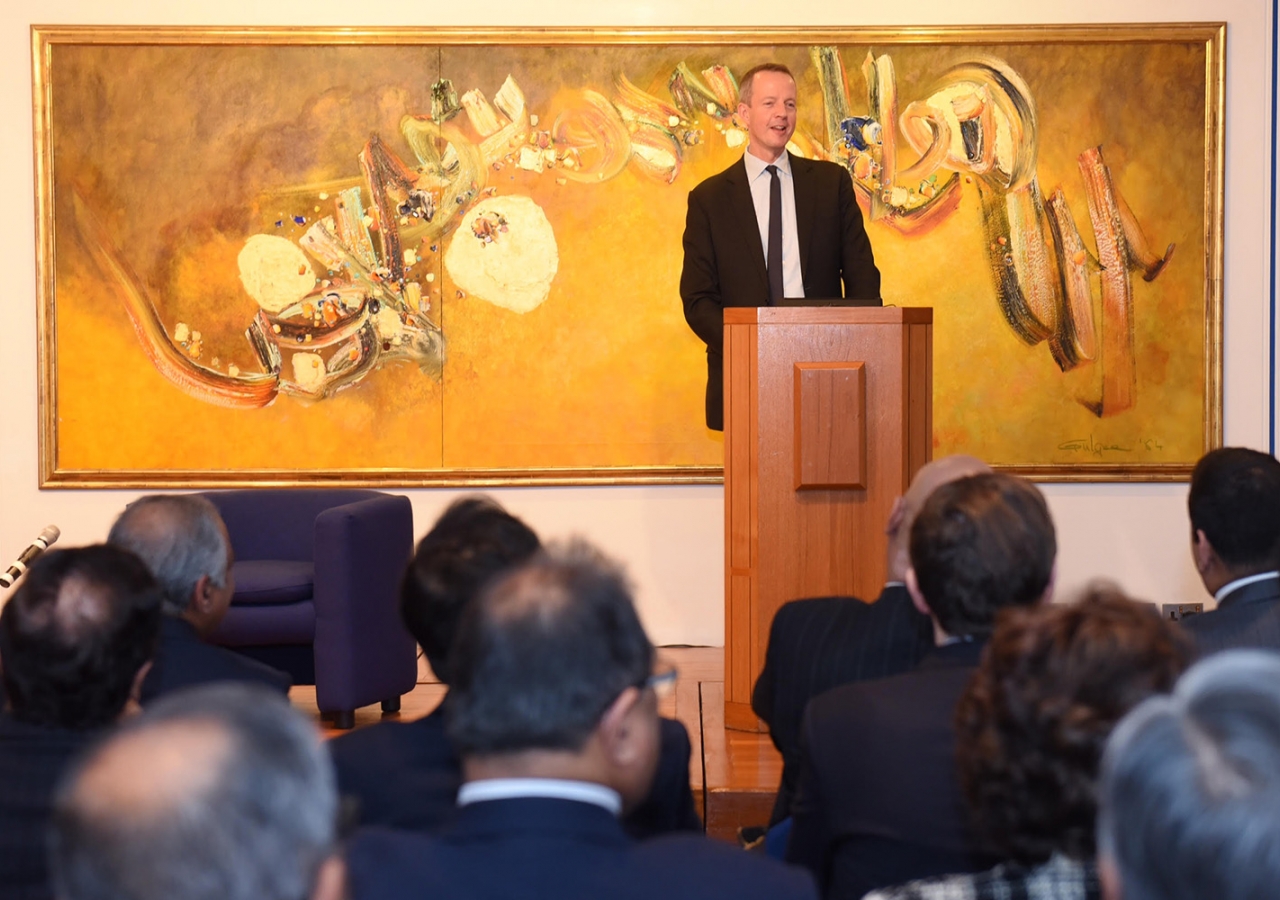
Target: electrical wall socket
x=1176, y=611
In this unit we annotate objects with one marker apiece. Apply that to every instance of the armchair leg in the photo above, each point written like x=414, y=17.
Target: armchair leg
x=342, y=719
x=392, y=705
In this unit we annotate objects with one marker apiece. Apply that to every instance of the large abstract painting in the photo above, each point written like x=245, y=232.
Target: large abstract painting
x=443, y=257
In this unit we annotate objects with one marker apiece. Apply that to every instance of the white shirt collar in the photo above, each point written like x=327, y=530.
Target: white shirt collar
x=554, y=788
x=756, y=166
x=1241, y=582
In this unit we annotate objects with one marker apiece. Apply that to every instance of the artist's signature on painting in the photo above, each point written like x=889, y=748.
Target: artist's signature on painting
x=1095, y=447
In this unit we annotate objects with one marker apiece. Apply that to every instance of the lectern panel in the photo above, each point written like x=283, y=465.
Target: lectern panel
x=830, y=425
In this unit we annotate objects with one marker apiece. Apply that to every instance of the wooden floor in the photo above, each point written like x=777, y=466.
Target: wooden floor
x=734, y=774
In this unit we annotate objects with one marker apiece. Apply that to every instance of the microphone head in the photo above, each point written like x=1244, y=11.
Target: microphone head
x=50, y=534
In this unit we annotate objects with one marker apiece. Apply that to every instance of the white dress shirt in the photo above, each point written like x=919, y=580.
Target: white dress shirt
x=555, y=788
x=758, y=178
x=1241, y=582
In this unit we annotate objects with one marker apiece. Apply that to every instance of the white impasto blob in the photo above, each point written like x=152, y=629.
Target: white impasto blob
x=275, y=272
x=308, y=370
x=514, y=268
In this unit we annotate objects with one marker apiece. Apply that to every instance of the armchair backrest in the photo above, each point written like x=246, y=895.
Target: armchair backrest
x=278, y=523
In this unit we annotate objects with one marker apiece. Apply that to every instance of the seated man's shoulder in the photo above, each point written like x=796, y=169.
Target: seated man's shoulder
x=391, y=742
x=702, y=866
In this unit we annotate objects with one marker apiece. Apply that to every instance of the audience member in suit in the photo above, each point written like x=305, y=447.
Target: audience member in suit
x=1234, y=505
x=76, y=638
x=222, y=792
x=1052, y=683
x=879, y=802
x=553, y=708
x=823, y=642
x=1189, y=801
x=182, y=538
x=406, y=774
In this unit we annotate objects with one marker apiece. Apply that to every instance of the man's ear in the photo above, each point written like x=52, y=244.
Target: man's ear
x=1047, y=596
x=1109, y=878
x=618, y=725
x=1202, y=552
x=202, y=595
x=331, y=880
x=917, y=598
x=133, y=705
x=896, y=515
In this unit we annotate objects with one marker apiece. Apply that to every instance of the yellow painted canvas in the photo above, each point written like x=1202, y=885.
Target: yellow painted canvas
x=453, y=257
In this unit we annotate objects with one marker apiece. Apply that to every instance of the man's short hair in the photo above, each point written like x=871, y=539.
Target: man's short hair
x=745, y=86
x=543, y=652
x=981, y=544
x=1031, y=726
x=180, y=537
x=474, y=540
x=73, y=637
x=1235, y=500
x=1190, y=791
x=249, y=813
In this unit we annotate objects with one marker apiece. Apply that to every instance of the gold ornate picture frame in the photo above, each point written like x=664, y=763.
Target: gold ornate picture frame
x=424, y=257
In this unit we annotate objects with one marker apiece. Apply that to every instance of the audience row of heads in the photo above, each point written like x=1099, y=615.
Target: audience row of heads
x=545, y=654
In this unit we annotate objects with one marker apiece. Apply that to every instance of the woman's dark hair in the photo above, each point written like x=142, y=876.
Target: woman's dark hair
x=1052, y=683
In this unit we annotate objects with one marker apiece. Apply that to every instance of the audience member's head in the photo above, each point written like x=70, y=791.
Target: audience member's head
x=222, y=792
x=551, y=675
x=1189, y=804
x=472, y=542
x=183, y=540
x=978, y=545
x=1234, y=505
x=931, y=476
x=77, y=636
x=1053, y=682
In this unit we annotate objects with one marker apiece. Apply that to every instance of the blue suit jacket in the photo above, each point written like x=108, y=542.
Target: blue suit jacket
x=545, y=849
x=406, y=775
x=1249, y=616
x=184, y=660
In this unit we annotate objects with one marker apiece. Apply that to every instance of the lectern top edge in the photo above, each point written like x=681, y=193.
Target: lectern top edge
x=828, y=315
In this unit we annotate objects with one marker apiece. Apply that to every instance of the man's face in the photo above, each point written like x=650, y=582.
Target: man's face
x=771, y=117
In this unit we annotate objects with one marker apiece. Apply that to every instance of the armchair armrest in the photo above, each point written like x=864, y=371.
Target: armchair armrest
x=363, y=653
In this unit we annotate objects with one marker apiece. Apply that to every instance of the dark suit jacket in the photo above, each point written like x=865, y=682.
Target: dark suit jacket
x=184, y=660
x=1249, y=616
x=821, y=643
x=406, y=775
x=32, y=760
x=532, y=848
x=724, y=264
x=879, y=801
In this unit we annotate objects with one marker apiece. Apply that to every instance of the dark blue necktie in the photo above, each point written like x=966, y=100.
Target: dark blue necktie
x=774, y=258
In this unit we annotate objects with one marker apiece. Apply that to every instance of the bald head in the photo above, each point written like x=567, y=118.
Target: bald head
x=219, y=793
x=931, y=476
x=141, y=779
x=543, y=652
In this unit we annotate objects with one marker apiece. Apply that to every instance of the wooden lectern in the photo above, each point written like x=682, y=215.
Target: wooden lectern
x=828, y=415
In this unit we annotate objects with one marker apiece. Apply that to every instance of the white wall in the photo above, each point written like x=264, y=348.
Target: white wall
x=672, y=536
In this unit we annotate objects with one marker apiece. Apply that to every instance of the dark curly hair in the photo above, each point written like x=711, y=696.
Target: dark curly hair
x=1031, y=726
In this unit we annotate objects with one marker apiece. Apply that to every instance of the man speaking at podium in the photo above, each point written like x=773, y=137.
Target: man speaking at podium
x=771, y=226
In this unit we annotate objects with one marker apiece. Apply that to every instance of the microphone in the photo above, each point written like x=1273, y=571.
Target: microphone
x=38, y=546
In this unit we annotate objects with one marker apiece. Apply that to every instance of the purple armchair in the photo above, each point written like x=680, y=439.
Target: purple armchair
x=317, y=592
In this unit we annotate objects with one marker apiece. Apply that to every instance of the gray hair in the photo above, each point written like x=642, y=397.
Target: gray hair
x=180, y=537
x=257, y=827
x=1190, y=788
